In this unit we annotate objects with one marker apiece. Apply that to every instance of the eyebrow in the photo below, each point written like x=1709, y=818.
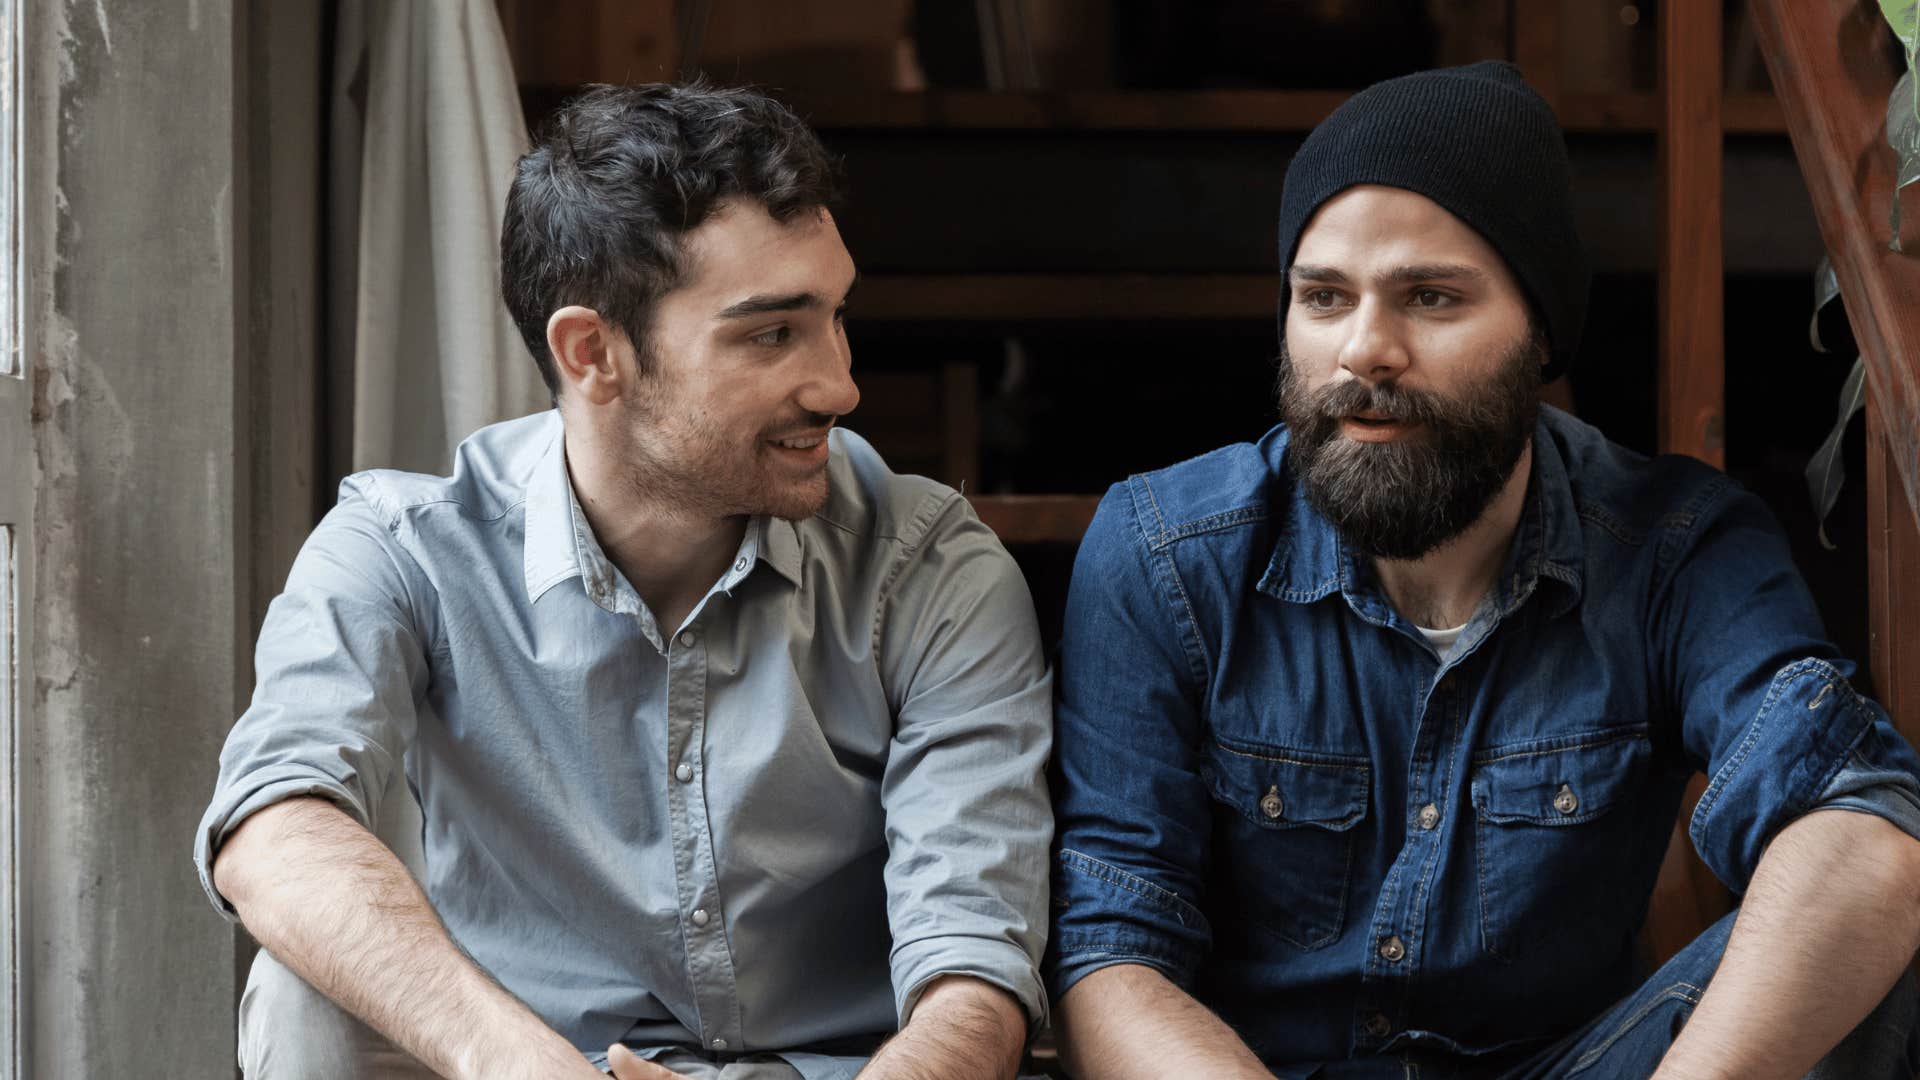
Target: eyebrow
x=1409, y=274
x=766, y=303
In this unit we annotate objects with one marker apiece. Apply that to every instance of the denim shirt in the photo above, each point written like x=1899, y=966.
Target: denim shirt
x=766, y=829
x=1270, y=787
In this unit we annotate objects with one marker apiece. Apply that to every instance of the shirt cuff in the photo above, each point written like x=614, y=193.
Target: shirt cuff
x=1105, y=915
x=1865, y=788
x=999, y=963
x=226, y=814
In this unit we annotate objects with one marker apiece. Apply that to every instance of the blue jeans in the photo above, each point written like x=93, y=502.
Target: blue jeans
x=1629, y=1039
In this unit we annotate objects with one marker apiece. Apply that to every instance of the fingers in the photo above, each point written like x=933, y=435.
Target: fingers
x=627, y=1065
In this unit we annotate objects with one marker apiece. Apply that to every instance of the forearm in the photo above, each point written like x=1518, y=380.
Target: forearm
x=961, y=1028
x=1129, y=1022
x=1830, y=919
x=329, y=900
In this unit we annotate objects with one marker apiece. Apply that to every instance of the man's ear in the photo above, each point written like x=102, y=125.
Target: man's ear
x=583, y=347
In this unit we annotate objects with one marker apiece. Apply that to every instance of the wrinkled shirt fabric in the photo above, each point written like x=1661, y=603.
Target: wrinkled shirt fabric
x=764, y=830
x=1272, y=789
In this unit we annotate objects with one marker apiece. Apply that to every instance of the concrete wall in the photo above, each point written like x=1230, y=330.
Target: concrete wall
x=166, y=342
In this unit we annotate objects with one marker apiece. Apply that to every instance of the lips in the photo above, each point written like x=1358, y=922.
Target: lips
x=807, y=449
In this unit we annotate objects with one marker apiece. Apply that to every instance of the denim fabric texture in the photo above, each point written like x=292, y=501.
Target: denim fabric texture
x=1271, y=789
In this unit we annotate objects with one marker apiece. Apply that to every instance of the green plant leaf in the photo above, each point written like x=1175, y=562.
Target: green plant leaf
x=1904, y=17
x=1826, y=472
x=1903, y=107
x=1826, y=286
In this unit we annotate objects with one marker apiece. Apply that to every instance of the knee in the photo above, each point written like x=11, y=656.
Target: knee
x=290, y=1031
x=1885, y=1046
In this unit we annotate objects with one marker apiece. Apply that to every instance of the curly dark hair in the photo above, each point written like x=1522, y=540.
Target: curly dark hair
x=599, y=205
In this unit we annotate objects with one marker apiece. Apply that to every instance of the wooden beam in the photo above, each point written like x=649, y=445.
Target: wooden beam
x=960, y=404
x=1833, y=76
x=1691, y=287
x=1893, y=575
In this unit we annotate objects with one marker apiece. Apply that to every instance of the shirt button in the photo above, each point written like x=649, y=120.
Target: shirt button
x=1378, y=1026
x=688, y=639
x=1429, y=816
x=1393, y=950
x=700, y=916
x=719, y=1044
x=740, y=563
x=1566, y=801
x=1270, y=803
x=683, y=772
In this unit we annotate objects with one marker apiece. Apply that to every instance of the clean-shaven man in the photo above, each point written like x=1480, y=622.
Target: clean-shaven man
x=1371, y=734
x=729, y=741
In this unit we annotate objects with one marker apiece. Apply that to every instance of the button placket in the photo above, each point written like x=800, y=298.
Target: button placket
x=709, y=959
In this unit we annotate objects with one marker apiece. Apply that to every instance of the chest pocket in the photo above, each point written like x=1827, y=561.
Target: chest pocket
x=1283, y=837
x=1553, y=820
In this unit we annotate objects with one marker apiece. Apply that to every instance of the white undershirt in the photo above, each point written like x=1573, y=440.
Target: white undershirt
x=1442, y=640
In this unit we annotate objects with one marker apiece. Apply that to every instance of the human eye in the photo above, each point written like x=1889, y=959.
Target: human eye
x=773, y=337
x=1317, y=299
x=1431, y=298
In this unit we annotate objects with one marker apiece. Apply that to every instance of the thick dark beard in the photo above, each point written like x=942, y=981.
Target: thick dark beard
x=1404, y=499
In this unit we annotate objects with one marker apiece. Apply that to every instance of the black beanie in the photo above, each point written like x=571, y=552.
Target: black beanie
x=1481, y=143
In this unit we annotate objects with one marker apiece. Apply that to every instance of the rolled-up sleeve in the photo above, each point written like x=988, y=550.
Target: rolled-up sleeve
x=1766, y=703
x=1132, y=808
x=967, y=815
x=339, y=668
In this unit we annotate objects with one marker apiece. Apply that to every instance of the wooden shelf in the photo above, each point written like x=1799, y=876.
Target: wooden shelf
x=1740, y=114
x=1101, y=110
x=1208, y=111
x=1011, y=297
x=1036, y=519
x=1152, y=111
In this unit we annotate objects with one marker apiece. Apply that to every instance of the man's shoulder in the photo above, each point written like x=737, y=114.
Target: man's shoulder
x=1628, y=494
x=490, y=472
x=868, y=501
x=1227, y=488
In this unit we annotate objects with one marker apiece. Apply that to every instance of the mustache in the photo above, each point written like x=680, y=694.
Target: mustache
x=1336, y=401
x=801, y=423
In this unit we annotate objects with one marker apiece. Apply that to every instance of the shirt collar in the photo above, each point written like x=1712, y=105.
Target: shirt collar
x=1311, y=561
x=560, y=544
x=550, y=556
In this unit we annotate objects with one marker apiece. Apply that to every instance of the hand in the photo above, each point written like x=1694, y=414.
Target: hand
x=627, y=1065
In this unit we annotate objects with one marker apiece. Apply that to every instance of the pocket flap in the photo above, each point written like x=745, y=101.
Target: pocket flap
x=1277, y=788
x=1562, y=781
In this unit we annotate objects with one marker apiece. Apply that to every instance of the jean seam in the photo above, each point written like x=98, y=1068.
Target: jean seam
x=1683, y=991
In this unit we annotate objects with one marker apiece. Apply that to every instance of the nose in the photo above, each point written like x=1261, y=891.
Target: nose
x=830, y=389
x=1374, y=349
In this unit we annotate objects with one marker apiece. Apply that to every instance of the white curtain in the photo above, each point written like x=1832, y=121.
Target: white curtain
x=426, y=127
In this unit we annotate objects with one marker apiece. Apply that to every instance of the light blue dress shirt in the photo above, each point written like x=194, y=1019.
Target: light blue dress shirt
x=764, y=830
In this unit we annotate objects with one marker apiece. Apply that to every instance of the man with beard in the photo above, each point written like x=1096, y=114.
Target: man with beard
x=730, y=742
x=1371, y=734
